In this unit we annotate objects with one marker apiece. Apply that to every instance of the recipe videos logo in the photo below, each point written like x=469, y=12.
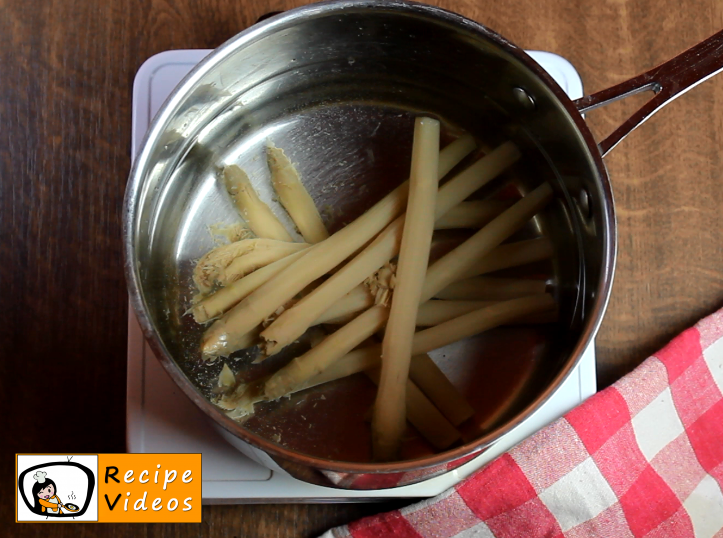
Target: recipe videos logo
x=57, y=488
x=109, y=488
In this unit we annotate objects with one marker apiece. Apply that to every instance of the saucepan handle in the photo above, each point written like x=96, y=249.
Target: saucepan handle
x=668, y=81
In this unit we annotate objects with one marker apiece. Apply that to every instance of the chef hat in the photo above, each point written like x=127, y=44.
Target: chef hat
x=40, y=476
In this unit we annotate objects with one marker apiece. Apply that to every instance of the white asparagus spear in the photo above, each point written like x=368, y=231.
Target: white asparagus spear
x=216, y=304
x=333, y=347
x=454, y=264
x=241, y=402
x=388, y=421
x=294, y=321
x=474, y=214
x=480, y=320
x=259, y=257
x=353, y=302
x=423, y=415
x=250, y=339
x=294, y=196
x=512, y=255
x=424, y=372
x=214, y=263
x=222, y=336
x=432, y=312
x=486, y=288
x=255, y=212
x=435, y=312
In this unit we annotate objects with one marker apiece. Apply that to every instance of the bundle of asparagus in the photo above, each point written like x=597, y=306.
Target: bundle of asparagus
x=272, y=290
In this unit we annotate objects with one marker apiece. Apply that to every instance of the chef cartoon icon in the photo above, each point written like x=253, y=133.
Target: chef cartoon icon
x=45, y=495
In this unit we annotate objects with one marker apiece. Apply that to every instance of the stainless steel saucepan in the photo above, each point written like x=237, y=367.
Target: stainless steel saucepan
x=337, y=85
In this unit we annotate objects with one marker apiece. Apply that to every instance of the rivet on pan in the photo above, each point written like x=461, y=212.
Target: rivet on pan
x=583, y=199
x=524, y=98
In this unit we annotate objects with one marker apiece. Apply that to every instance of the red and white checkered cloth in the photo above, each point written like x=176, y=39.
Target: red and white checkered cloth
x=643, y=458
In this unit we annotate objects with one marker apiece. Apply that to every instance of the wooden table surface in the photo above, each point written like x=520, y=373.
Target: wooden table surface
x=66, y=70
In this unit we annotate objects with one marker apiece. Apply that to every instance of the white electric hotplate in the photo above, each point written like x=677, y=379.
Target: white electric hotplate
x=161, y=419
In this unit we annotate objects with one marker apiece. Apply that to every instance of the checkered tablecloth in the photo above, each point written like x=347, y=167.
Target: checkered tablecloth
x=643, y=458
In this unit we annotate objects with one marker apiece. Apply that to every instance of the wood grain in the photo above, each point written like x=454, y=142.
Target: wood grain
x=65, y=90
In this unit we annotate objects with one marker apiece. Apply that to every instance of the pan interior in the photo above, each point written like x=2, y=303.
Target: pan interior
x=339, y=95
